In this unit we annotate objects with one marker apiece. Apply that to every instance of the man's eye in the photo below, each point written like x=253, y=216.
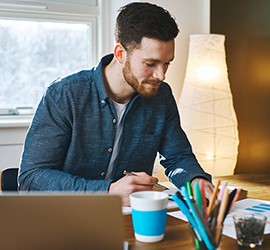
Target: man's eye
x=150, y=64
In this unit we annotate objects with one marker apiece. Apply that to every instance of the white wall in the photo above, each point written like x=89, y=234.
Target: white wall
x=12, y=135
x=108, y=22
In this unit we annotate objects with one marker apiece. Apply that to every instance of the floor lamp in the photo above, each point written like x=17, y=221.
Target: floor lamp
x=206, y=106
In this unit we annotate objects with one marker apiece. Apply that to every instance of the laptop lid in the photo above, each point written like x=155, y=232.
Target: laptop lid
x=61, y=221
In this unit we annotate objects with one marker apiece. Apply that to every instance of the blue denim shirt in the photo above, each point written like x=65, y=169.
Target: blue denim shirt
x=70, y=140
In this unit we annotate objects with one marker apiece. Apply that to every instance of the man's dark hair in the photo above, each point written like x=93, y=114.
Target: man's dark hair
x=138, y=20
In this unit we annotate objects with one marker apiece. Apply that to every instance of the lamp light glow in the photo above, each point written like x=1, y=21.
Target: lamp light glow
x=206, y=106
x=208, y=72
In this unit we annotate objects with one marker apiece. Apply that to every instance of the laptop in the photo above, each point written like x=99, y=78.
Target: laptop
x=56, y=221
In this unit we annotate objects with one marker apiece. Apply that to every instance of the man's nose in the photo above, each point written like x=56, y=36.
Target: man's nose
x=159, y=74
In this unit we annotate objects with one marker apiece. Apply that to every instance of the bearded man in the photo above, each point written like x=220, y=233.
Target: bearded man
x=93, y=125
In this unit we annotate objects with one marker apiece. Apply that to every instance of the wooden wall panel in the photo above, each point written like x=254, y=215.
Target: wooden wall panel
x=246, y=25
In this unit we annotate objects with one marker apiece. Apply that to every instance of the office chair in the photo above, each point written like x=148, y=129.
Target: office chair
x=9, y=179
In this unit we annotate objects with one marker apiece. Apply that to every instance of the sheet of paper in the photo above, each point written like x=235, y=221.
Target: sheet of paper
x=247, y=206
x=242, y=206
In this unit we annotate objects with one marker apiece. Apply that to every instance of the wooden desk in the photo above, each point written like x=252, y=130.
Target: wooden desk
x=177, y=235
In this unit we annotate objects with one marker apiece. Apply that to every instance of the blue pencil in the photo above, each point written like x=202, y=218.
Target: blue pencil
x=199, y=224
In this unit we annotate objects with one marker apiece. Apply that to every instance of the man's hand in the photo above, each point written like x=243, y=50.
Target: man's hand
x=208, y=187
x=132, y=183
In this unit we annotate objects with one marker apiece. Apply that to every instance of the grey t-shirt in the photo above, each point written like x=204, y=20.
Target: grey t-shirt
x=120, y=110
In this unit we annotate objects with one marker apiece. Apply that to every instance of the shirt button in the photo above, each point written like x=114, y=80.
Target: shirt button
x=110, y=150
x=114, y=120
x=102, y=173
x=102, y=101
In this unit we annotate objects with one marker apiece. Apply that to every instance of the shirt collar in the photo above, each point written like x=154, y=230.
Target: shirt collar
x=100, y=83
x=99, y=79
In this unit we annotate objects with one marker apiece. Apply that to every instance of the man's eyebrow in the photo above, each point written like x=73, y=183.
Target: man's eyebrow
x=156, y=60
x=151, y=59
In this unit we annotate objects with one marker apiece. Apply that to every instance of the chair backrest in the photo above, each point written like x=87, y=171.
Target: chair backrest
x=9, y=179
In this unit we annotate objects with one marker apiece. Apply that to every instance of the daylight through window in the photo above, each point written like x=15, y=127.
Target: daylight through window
x=35, y=53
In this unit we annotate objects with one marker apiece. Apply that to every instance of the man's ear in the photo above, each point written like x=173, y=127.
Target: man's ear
x=119, y=53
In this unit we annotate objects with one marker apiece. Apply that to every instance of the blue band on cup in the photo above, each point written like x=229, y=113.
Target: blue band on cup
x=149, y=223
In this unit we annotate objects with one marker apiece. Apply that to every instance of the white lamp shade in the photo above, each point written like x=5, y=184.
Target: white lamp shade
x=206, y=106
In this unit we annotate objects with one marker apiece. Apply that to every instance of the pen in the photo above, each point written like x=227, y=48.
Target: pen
x=198, y=196
x=214, y=197
x=181, y=203
x=190, y=193
x=221, y=192
x=221, y=214
x=179, y=200
x=189, y=189
x=157, y=185
x=223, y=206
x=201, y=182
x=236, y=195
x=200, y=227
x=229, y=204
x=212, y=219
x=201, y=218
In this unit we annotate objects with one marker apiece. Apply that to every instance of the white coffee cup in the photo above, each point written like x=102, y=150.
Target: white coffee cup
x=149, y=212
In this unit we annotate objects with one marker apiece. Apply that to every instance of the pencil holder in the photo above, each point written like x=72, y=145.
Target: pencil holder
x=199, y=244
x=206, y=223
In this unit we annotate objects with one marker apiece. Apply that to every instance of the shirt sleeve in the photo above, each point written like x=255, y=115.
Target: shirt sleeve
x=176, y=151
x=47, y=142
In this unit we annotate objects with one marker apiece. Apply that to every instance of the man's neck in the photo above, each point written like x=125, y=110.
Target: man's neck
x=116, y=85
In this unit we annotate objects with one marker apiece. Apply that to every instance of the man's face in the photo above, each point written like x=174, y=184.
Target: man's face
x=145, y=67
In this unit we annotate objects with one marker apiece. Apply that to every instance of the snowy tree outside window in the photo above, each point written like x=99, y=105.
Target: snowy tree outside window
x=35, y=53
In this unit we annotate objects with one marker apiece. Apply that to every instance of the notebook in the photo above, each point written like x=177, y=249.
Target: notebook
x=39, y=221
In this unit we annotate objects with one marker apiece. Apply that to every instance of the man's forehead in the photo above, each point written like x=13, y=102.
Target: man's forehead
x=154, y=50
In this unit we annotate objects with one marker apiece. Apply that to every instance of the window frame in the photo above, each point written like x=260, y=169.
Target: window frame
x=84, y=11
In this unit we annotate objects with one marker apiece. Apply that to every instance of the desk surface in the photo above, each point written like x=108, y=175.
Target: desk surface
x=177, y=235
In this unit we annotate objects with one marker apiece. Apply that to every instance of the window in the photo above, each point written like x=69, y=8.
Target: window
x=41, y=41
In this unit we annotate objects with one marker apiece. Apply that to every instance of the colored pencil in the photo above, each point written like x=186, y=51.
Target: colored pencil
x=213, y=199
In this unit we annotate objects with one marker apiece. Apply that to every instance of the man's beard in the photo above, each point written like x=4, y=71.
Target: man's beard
x=147, y=88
